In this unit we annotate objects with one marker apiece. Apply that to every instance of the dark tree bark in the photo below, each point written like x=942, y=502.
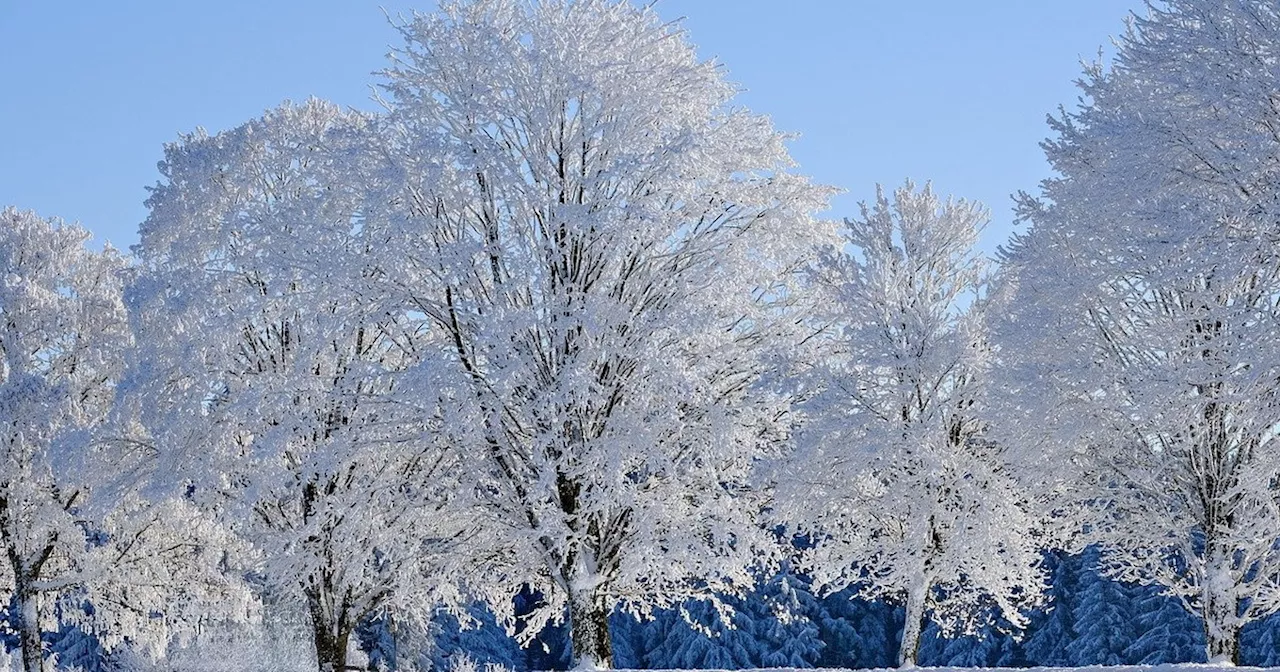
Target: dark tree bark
x=331, y=626
x=29, y=622
x=589, y=630
x=25, y=576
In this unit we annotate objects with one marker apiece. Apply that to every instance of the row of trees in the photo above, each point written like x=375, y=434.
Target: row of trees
x=562, y=321
x=1091, y=620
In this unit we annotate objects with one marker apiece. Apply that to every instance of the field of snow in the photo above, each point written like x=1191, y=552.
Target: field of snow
x=1185, y=667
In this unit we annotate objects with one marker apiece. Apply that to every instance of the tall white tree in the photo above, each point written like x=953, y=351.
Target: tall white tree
x=72, y=524
x=606, y=248
x=895, y=479
x=271, y=381
x=1146, y=297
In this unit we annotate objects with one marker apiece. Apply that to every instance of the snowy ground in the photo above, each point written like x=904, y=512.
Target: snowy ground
x=1185, y=667
x=217, y=665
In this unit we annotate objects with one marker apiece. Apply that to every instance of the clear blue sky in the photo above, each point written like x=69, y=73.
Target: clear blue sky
x=879, y=90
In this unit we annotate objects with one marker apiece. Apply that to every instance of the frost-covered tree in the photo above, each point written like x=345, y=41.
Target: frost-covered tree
x=271, y=384
x=73, y=527
x=607, y=246
x=1145, y=319
x=62, y=340
x=894, y=478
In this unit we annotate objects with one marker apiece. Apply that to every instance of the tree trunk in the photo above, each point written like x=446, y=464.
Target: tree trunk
x=589, y=631
x=1223, y=647
x=1220, y=608
x=29, y=624
x=331, y=631
x=909, y=650
x=1221, y=628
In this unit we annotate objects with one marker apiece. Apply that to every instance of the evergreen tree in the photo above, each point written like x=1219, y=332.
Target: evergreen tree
x=788, y=637
x=482, y=639
x=628, y=632
x=989, y=647
x=932, y=646
x=962, y=651
x=549, y=649
x=1104, y=619
x=1260, y=643
x=857, y=633
x=77, y=650
x=1008, y=651
x=774, y=626
x=1053, y=629
x=657, y=645
x=1168, y=633
x=377, y=639
x=705, y=642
